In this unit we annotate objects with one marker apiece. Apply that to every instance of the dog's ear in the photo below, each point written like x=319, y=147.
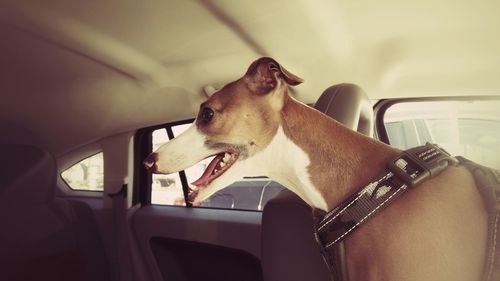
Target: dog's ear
x=264, y=72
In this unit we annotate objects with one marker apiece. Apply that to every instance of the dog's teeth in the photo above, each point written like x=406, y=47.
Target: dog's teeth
x=227, y=156
x=215, y=171
x=222, y=164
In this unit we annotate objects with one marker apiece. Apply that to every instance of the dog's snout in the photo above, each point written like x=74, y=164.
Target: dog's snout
x=150, y=161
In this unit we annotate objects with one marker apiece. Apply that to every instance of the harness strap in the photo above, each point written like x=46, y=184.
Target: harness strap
x=334, y=257
x=488, y=183
x=410, y=168
x=335, y=226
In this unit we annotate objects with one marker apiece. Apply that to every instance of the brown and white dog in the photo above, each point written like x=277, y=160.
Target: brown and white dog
x=436, y=231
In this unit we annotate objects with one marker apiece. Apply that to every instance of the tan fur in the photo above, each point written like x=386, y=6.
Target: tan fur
x=338, y=155
x=435, y=231
x=241, y=118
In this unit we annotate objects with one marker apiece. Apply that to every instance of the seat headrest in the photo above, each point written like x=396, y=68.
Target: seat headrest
x=27, y=173
x=348, y=104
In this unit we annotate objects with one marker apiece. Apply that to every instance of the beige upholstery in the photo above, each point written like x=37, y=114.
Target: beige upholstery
x=348, y=104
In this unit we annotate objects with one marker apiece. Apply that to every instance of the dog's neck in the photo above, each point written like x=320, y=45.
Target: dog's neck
x=334, y=161
x=324, y=162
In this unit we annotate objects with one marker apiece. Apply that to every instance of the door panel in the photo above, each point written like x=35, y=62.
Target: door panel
x=182, y=260
x=169, y=238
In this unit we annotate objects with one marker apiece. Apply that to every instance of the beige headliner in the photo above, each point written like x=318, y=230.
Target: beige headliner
x=77, y=71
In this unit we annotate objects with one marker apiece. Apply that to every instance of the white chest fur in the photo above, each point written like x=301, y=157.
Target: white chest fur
x=285, y=162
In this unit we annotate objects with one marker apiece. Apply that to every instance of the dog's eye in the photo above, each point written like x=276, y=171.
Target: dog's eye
x=206, y=114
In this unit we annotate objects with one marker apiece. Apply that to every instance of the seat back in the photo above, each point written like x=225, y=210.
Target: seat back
x=289, y=250
x=348, y=104
x=41, y=237
x=37, y=241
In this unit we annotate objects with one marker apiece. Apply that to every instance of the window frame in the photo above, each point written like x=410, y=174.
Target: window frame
x=381, y=107
x=142, y=177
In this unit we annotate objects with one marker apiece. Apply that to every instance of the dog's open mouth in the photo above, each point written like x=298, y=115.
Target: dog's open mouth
x=220, y=164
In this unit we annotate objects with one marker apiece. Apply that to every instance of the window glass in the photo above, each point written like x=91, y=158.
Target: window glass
x=165, y=189
x=87, y=174
x=246, y=194
x=467, y=128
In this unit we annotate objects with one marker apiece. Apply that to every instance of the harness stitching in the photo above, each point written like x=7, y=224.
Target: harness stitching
x=403, y=187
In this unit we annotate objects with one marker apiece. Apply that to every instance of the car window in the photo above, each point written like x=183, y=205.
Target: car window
x=165, y=189
x=467, y=128
x=245, y=194
x=86, y=175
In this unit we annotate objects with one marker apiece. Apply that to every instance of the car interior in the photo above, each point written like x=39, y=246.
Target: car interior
x=89, y=88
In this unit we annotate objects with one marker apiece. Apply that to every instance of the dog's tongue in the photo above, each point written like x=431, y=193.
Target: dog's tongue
x=203, y=180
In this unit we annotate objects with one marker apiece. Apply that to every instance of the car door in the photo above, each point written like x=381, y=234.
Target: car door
x=219, y=240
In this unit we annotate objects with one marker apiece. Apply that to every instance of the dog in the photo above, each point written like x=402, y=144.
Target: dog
x=254, y=127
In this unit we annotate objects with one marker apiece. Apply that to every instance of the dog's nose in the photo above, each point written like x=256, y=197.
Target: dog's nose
x=150, y=161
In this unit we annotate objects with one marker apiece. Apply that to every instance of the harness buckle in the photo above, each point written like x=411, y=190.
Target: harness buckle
x=417, y=164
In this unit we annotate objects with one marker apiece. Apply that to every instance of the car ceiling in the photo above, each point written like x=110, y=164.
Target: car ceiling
x=74, y=72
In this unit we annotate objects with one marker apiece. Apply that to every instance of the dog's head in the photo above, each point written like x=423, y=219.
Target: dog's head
x=234, y=124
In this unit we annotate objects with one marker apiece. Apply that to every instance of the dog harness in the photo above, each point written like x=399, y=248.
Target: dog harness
x=409, y=169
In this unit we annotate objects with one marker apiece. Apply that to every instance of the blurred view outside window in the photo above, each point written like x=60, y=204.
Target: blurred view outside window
x=246, y=194
x=87, y=174
x=165, y=189
x=467, y=128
